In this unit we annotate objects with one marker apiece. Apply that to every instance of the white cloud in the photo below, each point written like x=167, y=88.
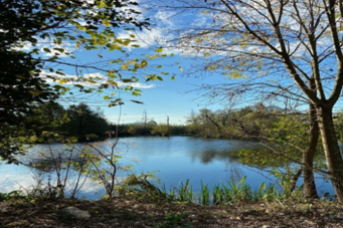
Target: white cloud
x=146, y=38
x=55, y=49
x=160, y=32
x=97, y=80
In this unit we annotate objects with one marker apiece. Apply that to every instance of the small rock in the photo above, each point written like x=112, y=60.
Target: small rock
x=77, y=212
x=193, y=216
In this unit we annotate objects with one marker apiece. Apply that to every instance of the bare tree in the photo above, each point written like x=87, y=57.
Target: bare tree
x=293, y=45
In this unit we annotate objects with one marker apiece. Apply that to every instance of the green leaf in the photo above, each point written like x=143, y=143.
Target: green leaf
x=36, y=93
x=127, y=80
x=47, y=50
x=59, y=49
x=137, y=102
x=136, y=93
x=58, y=41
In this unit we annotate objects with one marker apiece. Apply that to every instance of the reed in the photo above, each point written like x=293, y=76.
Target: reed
x=230, y=192
x=205, y=194
x=185, y=193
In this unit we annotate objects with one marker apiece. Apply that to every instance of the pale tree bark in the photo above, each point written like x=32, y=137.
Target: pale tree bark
x=310, y=190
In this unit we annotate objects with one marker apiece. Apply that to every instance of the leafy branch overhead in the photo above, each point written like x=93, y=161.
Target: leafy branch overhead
x=37, y=44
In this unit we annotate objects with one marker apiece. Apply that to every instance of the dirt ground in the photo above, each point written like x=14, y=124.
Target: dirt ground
x=124, y=213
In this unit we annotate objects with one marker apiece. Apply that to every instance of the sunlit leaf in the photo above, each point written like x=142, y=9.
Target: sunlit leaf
x=106, y=23
x=144, y=63
x=159, y=50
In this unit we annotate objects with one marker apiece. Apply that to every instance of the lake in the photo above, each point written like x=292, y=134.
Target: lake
x=175, y=159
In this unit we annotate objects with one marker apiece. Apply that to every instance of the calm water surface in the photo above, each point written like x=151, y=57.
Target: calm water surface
x=175, y=159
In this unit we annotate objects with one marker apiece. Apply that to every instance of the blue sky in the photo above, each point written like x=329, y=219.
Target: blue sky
x=175, y=98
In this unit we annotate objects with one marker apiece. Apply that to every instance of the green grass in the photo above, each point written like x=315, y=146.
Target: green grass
x=230, y=192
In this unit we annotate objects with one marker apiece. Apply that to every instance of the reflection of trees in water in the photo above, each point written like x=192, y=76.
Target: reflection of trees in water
x=231, y=162
x=259, y=158
x=236, y=173
x=48, y=157
x=209, y=156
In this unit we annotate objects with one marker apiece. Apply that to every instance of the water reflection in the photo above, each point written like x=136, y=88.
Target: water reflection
x=177, y=159
x=209, y=156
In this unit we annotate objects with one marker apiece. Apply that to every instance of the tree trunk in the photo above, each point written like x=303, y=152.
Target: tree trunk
x=310, y=190
x=333, y=156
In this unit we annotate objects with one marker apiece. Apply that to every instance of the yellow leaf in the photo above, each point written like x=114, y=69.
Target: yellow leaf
x=144, y=63
x=181, y=69
x=236, y=75
x=124, y=67
x=110, y=73
x=63, y=80
x=107, y=23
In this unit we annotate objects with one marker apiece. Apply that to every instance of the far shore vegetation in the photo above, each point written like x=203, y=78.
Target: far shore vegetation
x=255, y=122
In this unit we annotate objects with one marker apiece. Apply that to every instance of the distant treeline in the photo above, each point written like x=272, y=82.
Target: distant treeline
x=151, y=129
x=52, y=121
x=257, y=121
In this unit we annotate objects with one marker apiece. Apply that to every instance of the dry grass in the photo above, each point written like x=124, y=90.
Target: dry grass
x=126, y=213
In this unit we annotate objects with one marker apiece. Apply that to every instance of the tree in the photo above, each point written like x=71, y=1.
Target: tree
x=45, y=122
x=294, y=46
x=33, y=36
x=85, y=123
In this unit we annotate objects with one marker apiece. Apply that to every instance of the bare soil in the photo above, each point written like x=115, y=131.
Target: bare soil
x=125, y=213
